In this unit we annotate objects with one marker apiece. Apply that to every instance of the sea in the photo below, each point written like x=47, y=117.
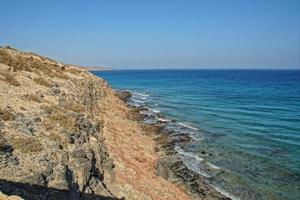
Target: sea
x=247, y=121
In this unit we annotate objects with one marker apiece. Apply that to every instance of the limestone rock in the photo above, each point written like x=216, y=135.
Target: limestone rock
x=11, y=197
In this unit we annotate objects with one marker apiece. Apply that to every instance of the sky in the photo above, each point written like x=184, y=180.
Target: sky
x=206, y=34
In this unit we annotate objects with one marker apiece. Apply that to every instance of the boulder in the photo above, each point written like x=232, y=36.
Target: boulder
x=161, y=170
x=123, y=95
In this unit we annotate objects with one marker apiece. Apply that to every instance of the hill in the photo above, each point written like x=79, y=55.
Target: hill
x=65, y=134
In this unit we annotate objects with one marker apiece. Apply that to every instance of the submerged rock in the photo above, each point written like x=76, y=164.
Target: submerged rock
x=123, y=95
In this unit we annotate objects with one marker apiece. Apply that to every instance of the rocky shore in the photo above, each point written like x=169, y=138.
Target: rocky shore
x=170, y=165
x=65, y=134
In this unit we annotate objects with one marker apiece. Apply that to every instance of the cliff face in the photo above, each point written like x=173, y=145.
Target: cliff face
x=64, y=134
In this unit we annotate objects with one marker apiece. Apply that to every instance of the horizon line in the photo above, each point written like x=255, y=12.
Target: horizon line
x=281, y=69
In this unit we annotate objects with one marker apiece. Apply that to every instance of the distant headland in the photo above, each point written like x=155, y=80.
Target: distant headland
x=96, y=68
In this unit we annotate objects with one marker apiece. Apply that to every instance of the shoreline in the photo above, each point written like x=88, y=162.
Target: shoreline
x=65, y=133
x=170, y=165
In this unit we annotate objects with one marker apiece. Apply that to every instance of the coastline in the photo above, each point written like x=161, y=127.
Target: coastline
x=170, y=165
x=223, y=124
x=66, y=134
x=134, y=155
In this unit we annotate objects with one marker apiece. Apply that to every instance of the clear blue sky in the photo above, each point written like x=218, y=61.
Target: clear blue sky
x=157, y=34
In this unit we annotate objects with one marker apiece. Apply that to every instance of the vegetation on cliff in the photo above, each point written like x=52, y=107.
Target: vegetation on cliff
x=49, y=134
x=64, y=134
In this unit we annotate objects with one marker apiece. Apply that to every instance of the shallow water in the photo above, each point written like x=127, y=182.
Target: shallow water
x=247, y=121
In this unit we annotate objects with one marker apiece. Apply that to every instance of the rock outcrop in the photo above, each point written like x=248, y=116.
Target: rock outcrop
x=64, y=134
x=11, y=197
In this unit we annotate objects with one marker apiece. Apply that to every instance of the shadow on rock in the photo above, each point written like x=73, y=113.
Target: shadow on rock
x=36, y=192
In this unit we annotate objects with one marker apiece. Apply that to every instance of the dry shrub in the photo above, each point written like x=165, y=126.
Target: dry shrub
x=54, y=74
x=57, y=118
x=4, y=146
x=72, y=105
x=42, y=81
x=73, y=70
x=75, y=107
x=2, y=142
x=18, y=62
x=61, y=75
x=6, y=58
x=47, y=125
x=48, y=72
x=8, y=47
x=55, y=137
x=24, y=63
x=26, y=144
x=7, y=77
x=22, y=108
x=6, y=114
x=59, y=139
x=48, y=110
x=163, y=139
x=32, y=97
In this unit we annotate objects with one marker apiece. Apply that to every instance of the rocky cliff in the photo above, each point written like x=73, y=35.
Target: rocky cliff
x=64, y=134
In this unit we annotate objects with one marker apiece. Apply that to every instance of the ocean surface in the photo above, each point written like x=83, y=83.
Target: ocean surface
x=247, y=121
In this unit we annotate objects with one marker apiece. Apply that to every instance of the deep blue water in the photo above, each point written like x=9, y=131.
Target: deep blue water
x=248, y=120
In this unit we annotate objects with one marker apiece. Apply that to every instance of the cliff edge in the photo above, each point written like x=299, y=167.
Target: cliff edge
x=64, y=134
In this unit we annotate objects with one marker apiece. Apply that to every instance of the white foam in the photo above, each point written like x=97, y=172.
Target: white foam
x=182, y=152
x=225, y=193
x=187, y=126
x=147, y=113
x=193, y=162
x=163, y=119
x=154, y=110
x=140, y=94
x=194, y=137
x=213, y=166
x=139, y=97
x=134, y=104
x=202, y=173
x=144, y=98
x=137, y=101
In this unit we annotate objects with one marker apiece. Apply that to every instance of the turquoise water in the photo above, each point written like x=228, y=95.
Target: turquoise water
x=248, y=121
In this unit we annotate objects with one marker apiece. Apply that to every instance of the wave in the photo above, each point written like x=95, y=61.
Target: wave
x=137, y=101
x=182, y=152
x=192, y=162
x=139, y=94
x=225, y=193
x=140, y=97
x=134, y=104
x=163, y=119
x=154, y=110
x=213, y=166
x=194, y=137
x=187, y=126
